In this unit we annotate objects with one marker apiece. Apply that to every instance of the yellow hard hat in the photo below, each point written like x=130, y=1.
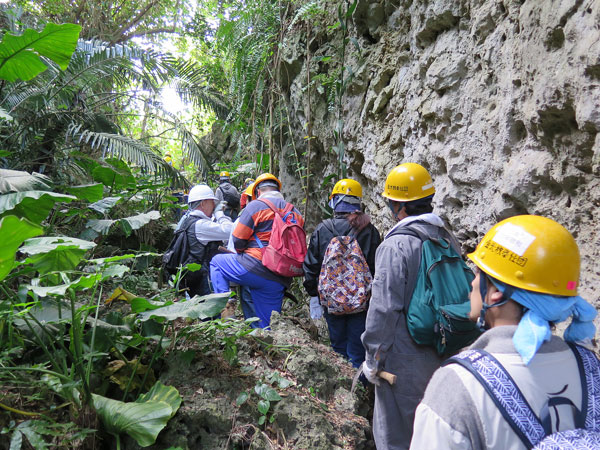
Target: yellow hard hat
x=408, y=182
x=249, y=190
x=264, y=177
x=224, y=174
x=532, y=253
x=347, y=187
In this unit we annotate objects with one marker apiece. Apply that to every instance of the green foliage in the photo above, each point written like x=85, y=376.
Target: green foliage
x=16, y=181
x=20, y=55
x=32, y=205
x=13, y=231
x=266, y=396
x=203, y=307
x=142, y=419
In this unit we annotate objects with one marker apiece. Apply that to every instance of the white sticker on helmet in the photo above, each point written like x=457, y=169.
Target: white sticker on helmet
x=427, y=187
x=513, y=238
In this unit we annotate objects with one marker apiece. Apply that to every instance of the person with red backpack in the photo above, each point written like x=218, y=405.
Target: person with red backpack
x=271, y=245
x=339, y=267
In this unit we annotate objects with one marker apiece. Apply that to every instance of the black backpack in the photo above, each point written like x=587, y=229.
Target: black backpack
x=230, y=195
x=178, y=251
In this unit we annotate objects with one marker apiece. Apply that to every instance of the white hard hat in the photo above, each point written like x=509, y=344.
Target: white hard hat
x=201, y=192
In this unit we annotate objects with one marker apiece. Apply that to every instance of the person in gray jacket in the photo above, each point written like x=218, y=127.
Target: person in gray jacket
x=409, y=190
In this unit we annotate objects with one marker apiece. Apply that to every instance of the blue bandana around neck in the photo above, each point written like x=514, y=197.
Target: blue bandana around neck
x=344, y=203
x=540, y=309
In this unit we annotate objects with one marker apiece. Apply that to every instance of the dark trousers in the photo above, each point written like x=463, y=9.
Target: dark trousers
x=344, y=333
x=196, y=283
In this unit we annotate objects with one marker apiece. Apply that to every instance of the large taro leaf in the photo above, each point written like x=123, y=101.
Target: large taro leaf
x=46, y=244
x=17, y=181
x=20, y=56
x=84, y=282
x=138, y=221
x=161, y=393
x=33, y=205
x=141, y=421
x=118, y=176
x=88, y=192
x=203, y=307
x=129, y=224
x=65, y=257
x=105, y=205
x=13, y=231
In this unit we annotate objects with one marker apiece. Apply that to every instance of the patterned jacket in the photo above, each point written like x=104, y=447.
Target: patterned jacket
x=457, y=413
x=368, y=241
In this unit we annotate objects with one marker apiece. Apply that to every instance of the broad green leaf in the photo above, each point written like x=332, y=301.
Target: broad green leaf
x=141, y=421
x=20, y=55
x=161, y=393
x=88, y=192
x=117, y=177
x=267, y=392
x=140, y=304
x=263, y=406
x=13, y=231
x=84, y=282
x=101, y=226
x=19, y=181
x=46, y=244
x=137, y=222
x=4, y=115
x=33, y=205
x=105, y=205
x=242, y=398
x=65, y=257
x=196, y=308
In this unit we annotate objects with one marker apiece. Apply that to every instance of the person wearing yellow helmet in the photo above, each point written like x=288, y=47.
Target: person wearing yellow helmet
x=351, y=223
x=527, y=280
x=409, y=192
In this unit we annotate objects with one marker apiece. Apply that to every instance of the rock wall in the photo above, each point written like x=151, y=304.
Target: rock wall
x=500, y=100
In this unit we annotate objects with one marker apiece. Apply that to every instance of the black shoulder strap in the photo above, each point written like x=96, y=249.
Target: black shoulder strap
x=328, y=224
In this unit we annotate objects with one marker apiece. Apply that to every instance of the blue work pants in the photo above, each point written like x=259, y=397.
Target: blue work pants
x=267, y=295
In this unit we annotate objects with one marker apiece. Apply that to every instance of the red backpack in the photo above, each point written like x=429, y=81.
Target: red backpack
x=284, y=255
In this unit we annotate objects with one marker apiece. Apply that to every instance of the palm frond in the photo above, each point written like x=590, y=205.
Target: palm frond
x=127, y=148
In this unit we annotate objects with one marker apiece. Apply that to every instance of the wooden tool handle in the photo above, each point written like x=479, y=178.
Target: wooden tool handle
x=389, y=377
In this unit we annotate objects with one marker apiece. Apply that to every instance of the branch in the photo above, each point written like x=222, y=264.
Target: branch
x=147, y=32
x=135, y=20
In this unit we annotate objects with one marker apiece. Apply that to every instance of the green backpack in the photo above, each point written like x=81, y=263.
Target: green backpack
x=438, y=312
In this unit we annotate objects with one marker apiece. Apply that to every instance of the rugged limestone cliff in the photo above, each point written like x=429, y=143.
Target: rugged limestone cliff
x=499, y=99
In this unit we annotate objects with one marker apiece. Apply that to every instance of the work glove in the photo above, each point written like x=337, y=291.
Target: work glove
x=220, y=206
x=218, y=212
x=370, y=374
x=316, y=310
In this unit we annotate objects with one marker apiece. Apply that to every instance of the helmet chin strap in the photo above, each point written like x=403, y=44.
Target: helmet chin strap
x=483, y=288
x=391, y=206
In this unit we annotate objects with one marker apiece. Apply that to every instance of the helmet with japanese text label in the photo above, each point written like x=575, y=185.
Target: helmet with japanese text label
x=347, y=187
x=532, y=253
x=408, y=182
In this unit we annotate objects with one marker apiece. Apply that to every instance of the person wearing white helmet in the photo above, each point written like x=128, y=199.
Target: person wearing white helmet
x=206, y=227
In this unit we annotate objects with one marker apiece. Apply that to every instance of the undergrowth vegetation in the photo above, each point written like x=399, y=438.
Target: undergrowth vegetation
x=89, y=201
